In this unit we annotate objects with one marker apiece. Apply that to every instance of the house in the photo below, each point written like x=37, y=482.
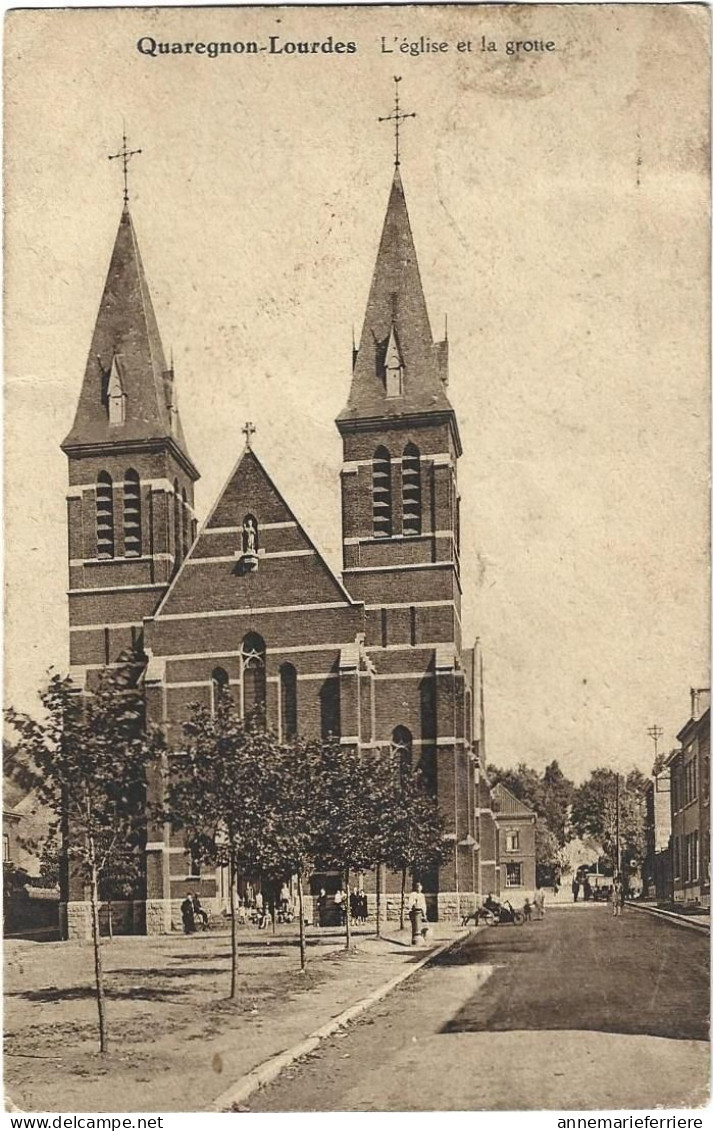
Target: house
x=689, y=768
x=516, y=842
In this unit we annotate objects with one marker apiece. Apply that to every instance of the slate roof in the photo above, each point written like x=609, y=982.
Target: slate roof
x=396, y=303
x=126, y=334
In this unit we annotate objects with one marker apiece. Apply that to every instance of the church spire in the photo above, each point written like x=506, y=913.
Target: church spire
x=396, y=338
x=127, y=394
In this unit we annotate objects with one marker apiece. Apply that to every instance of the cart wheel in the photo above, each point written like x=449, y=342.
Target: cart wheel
x=518, y=918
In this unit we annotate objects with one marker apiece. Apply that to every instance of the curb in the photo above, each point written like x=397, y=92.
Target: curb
x=270, y=1069
x=671, y=917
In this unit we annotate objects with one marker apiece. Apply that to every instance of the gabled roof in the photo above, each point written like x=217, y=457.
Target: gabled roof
x=126, y=349
x=396, y=310
x=308, y=579
x=509, y=805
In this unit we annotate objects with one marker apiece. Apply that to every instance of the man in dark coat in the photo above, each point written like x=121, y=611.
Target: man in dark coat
x=188, y=915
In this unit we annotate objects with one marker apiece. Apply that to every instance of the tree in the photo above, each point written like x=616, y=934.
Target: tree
x=349, y=795
x=549, y=795
x=293, y=817
x=416, y=838
x=86, y=761
x=219, y=792
x=594, y=813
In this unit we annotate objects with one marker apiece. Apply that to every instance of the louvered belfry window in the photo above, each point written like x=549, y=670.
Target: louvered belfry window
x=105, y=516
x=132, y=514
x=381, y=489
x=411, y=480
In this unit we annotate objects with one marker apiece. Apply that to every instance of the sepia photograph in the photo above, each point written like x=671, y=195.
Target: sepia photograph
x=357, y=560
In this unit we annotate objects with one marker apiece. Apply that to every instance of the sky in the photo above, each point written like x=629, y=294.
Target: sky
x=559, y=207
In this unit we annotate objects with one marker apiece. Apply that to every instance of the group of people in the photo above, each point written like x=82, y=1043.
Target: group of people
x=536, y=909
x=191, y=910
x=352, y=903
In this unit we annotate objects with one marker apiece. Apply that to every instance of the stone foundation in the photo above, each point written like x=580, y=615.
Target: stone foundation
x=75, y=919
x=158, y=916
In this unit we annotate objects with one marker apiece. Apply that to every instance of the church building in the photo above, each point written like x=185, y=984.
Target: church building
x=247, y=603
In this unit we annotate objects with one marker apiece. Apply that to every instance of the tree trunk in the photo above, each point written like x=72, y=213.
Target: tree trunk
x=233, y=931
x=111, y=926
x=349, y=925
x=378, y=901
x=402, y=917
x=300, y=905
x=96, y=940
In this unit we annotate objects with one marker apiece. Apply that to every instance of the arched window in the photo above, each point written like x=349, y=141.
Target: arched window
x=411, y=489
x=381, y=491
x=288, y=700
x=186, y=523
x=402, y=748
x=253, y=659
x=219, y=687
x=177, y=523
x=105, y=516
x=132, y=514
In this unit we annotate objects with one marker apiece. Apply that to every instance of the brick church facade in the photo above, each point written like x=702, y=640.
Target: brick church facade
x=247, y=603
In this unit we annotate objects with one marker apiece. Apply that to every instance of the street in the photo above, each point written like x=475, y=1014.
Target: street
x=579, y=1010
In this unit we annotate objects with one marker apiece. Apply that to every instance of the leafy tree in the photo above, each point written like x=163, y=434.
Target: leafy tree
x=219, y=791
x=416, y=831
x=86, y=761
x=349, y=794
x=294, y=814
x=594, y=813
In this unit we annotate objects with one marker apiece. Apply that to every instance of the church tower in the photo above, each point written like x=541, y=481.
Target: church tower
x=131, y=480
x=401, y=541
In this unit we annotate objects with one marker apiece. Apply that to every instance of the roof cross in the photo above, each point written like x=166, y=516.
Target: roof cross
x=397, y=117
x=249, y=431
x=125, y=154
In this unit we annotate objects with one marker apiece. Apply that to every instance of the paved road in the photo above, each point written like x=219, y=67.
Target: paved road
x=577, y=1011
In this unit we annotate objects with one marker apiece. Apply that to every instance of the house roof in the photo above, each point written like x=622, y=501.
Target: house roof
x=509, y=805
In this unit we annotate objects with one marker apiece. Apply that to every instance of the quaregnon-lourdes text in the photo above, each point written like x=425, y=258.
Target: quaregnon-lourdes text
x=275, y=45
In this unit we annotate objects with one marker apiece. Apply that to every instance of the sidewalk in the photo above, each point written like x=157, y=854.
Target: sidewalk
x=176, y=1042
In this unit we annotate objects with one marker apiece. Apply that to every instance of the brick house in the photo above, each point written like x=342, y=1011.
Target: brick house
x=656, y=868
x=247, y=603
x=516, y=842
x=689, y=768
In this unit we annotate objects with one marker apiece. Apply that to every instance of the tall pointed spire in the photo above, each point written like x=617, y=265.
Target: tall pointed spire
x=396, y=313
x=126, y=356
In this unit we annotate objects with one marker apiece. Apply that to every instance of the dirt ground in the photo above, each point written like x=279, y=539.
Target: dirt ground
x=176, y=1042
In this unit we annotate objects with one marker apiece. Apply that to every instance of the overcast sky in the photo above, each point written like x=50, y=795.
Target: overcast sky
x=558, y=203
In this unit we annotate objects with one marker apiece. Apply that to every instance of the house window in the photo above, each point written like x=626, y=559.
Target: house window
x=288, y=700
x=132, y=514
x=253, y=658
x=105, y=516
x=512, y=842
x=412, y=625
x=411, y=489
x=381, y=493
x=195, y=865
x=513, y=875
x=219, y=687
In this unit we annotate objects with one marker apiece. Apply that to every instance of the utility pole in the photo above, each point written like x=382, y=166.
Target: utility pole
x=654, y=732
x=618, y=846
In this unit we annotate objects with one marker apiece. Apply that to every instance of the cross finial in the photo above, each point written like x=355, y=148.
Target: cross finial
x=397, y=117
x=249, y=431
x=125, y=154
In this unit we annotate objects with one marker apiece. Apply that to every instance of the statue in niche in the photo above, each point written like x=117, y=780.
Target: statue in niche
x=249, y=535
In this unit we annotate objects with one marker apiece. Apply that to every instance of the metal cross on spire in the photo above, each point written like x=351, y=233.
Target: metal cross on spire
x=397, y=117
x=125, y=154
x=249, y=431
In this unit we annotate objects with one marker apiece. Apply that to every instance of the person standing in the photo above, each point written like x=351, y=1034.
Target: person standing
x=539, y=902
x=340, y=902
x=575, y=889
x=321, y=907
x=416, y=913
x=188, y=915
x=617, y=896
